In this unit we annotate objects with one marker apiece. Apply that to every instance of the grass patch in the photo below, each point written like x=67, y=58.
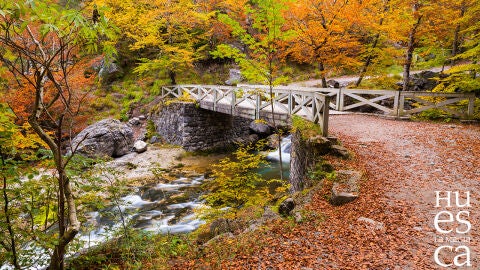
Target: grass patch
x=140, y=251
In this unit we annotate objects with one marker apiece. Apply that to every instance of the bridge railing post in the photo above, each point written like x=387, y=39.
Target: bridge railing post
x=337, y=100
x=325, y=115
x=401, y=103
x=290, y=102
x=257, y=105
x=234, y=100
x=341, y=100
x=215, y=99
x=396, y=104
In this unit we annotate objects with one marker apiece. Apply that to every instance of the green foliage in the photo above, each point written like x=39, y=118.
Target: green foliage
x=262, y=62
x=463, y=78
x=165, y=35
x=185, y=97
x=7, y=128
x=428, y=57
x=156, y=88
x=62, y=22
x=237, y=184
x=385, y=82
x=434, y=114
x=141, y=251
x=322, y=170
x=151, y=129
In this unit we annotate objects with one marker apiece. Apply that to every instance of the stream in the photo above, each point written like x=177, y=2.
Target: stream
x=160, y=208
x=157, y=208
x=166, y=207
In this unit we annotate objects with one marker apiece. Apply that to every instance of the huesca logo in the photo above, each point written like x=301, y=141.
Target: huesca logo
x=453, y=226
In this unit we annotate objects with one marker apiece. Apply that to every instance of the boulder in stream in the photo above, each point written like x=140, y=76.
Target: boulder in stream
x=108, y=137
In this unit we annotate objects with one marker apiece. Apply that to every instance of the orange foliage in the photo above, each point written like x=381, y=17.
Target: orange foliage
x=323, y=33
x=19, y=94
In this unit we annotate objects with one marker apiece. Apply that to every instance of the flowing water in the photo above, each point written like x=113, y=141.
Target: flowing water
x=271, y=171
x=158, y=208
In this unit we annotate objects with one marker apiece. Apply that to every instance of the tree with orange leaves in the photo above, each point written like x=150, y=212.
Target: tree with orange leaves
x=324, y=36
x=40, y=41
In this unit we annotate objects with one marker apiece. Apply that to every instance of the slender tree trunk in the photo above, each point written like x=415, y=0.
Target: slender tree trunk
x=409, y=54
x=455, y=44
x=70, y=228
x=270, y=82
x=172, y=75
x=6, y=209
x=370, y=56
x=321, y=68
x=456, y=36
x=368, y=61
x=69, y=225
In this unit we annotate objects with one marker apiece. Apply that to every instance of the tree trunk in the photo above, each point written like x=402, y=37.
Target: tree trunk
x=13, y=245
x=67, y=233
x=66, y=203
x=409, y=54
x=368, y=61
x=270, y=81
x=298, y=163
x=456, y=36
x=370, y=56
x=172, y=75
x=321, y=68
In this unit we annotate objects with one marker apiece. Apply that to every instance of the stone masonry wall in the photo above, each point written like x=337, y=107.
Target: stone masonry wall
x=193, y=128
x=305, y=153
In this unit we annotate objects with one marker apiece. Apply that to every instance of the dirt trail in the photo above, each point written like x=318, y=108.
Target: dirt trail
x=412, y=160
x=345, y=80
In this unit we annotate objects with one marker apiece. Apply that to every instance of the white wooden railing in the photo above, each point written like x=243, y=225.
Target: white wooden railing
x=253, y=102
x=396, y=100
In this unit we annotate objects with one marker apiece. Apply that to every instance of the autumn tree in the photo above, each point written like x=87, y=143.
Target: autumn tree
x=412, y=21
x=168, y=36
x=259, y=54
x=323, y=34
x=465, y=76
x=371, y=31
x=236, y=182
x=7, y=174
x=40, y=44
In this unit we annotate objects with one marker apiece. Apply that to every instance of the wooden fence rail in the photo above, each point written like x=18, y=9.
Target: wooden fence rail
x=254, y=102
x=391, y=102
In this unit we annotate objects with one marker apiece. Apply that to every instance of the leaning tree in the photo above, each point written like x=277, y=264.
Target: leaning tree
x=40, y=43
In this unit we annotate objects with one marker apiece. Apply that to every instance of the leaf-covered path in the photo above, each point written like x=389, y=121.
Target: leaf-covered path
x=404, y=163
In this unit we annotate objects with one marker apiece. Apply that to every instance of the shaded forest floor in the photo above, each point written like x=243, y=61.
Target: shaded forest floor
x=403, y=163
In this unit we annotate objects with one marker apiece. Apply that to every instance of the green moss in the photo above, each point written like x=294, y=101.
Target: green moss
x=306, y=128
x=185, y=97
